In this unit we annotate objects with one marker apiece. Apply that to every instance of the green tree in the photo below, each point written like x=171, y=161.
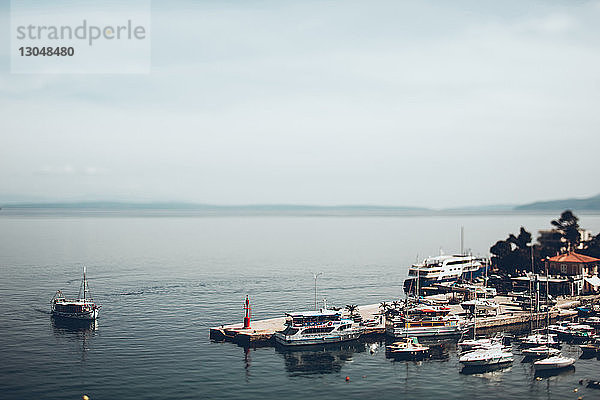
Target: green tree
x=568, y=226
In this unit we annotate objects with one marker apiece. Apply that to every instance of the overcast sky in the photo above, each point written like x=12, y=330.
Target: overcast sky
x=429, y=103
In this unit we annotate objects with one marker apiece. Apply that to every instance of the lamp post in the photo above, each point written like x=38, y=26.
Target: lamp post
x=316, y=275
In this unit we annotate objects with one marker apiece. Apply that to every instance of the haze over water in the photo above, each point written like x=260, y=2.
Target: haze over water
x=162, y=282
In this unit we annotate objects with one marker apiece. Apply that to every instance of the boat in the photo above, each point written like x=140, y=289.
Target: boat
x=485, y=357
x=83, y=308
x=483, y=343
x=538, y=339
x=317, y=327
x=593, y=321
x=408, y=348
x=553, y=363
x=590, y=349
x=444, y=268
x=541, y=351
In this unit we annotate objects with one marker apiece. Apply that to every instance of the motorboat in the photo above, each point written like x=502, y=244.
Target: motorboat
x=590, y=349
x=539, y=339
x=593, y=321
x=317, y=327
x=82, y=308
x=486, y=357
x=473, y=344
x=553, y=363
x=407, y=348
x=541, y=351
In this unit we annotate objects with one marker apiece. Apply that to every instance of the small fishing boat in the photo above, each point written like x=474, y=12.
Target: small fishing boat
x=486, y=357
x=553, y=363
x=82, y=308
x=407, y=348
x=541, y=351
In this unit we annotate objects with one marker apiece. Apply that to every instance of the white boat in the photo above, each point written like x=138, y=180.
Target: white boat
x=539, y=339
x=82, y=308
x=486, y=357
x=444, y=268
x=484, y=343
x=407, y=348
x=593, y=321
x=401, y=327
x=317, y=327
x=541, y=351
x=553, y=363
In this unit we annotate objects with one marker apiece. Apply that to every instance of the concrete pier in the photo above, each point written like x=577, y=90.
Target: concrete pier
x=261, y=332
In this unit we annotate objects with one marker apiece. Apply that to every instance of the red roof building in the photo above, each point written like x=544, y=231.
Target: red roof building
x=582, y=271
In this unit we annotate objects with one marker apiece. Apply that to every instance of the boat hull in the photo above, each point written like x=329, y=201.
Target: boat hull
x=488, y=362
x=81, y=316
x=312, y=340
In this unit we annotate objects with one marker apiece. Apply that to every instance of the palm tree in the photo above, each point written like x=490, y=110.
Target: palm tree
x=396, y=304
x=384, y=306
x=351, y=308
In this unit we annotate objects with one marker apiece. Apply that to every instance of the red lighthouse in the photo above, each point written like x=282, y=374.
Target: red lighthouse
x=247, y=317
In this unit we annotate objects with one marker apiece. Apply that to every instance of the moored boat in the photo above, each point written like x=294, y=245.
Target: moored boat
x=486, y=357
x=317, y=327
x=82, y=308
x=541, y=351
x=408, y=348
x=553, y=363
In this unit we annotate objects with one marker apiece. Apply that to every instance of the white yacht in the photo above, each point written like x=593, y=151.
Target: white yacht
x=444, y=268
x=488, y=356
x=317, y=327
x=553, y=363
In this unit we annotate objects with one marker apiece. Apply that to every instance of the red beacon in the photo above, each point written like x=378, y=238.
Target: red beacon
x=247, y=308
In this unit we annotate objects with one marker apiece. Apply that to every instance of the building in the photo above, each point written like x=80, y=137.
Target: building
x=552, y=238
x=581, y=271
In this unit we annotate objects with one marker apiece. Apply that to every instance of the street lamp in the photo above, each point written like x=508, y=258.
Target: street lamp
x=316, y=275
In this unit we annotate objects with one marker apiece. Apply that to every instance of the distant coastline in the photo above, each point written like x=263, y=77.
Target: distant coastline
x=588, y=205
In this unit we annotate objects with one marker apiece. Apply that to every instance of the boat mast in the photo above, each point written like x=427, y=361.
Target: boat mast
x=531, y=293
x=547, y=311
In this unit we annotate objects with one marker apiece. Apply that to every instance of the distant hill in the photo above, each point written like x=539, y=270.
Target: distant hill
x=589, y=204
x=197, y=208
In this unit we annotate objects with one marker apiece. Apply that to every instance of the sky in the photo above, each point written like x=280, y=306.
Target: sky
x=431, y=104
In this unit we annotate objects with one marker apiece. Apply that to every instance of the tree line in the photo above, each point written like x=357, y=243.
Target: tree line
x=517, y=253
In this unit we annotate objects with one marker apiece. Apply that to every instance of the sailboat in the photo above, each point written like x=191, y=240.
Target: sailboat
x=551, y=362
x=82, y=308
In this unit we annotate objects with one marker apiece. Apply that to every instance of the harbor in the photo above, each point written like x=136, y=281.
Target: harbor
x=260, y=332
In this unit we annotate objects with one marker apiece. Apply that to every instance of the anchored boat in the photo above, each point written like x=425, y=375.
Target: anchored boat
x=409, y=348
x=82, y=308
x=553, y=363
x=486, y=357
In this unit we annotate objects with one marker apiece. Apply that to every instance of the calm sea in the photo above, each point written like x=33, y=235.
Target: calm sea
x=163, y=281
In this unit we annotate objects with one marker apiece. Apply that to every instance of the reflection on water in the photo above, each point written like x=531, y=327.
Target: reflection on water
x=556, y=374
x=489, y=372
x=319, y=359
x=77, y=331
